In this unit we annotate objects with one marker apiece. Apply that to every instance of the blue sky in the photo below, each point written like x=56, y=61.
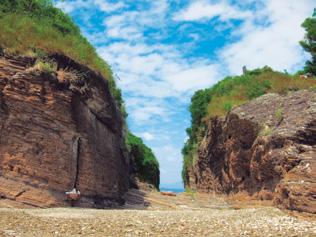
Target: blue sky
x=162, y=51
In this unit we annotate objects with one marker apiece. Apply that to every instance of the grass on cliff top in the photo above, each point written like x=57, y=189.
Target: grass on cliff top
x=237, y=90
x=232, y=92
x=146, y=162
x=31, y=27
x=36, y=28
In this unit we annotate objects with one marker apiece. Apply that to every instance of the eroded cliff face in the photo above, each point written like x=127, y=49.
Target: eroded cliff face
x=265, y=148
x=59, y=131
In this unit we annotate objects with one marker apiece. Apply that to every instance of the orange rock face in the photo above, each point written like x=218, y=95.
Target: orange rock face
x=266, y=148
x=59, y=131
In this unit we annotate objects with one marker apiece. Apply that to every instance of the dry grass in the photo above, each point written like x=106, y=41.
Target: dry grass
x=239, y=94
x=36, y=28
x=21, y=34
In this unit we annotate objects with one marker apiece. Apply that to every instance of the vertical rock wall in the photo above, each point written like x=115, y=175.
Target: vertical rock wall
x=56, y=127
x=265, y=148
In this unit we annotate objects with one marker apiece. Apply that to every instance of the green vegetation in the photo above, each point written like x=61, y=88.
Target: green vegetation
x=266, y=131
x=279, y=114
x=231, y=92
x=228, y=106
x=234, y=91
x=146, y=162
x=31, y=27
x=190, y=192
x=48, y=66
x=309, y=43
x=36, y=28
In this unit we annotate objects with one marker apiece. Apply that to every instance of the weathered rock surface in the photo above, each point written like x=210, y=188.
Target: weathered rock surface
x=58, y=132
x=265, y=148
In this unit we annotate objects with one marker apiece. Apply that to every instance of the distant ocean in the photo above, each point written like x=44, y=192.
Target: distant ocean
x=175, y=190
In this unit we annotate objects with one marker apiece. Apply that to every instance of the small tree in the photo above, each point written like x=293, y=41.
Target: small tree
x=309, y=43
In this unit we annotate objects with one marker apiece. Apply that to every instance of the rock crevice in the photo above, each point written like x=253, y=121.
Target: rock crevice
x=265, y=148
x=59, y=130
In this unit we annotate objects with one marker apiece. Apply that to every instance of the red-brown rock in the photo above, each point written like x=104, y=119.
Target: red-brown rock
x=266, y=148
x=59, y=131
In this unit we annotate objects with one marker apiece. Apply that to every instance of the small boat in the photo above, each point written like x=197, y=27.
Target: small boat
x=168, y=193
x=73, y=195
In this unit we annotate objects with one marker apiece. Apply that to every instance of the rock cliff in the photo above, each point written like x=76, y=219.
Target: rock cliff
x=265, y=148
x=58, y=131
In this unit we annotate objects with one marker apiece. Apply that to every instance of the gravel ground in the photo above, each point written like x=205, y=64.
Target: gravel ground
x=266, y=221
x=166, y=216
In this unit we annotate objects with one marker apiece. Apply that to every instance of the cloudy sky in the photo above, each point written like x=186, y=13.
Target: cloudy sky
x=162, y=51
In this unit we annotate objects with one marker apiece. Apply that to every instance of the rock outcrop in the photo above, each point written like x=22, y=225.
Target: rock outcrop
x=58, y=131
x=265, y=148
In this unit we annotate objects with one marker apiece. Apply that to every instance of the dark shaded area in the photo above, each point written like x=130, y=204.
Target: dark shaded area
x=146, y=166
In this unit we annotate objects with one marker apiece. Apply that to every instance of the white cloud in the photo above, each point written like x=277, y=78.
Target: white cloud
x=124, y=26
x=130, y=25
x=157, y=71
x=103, y=5
x=153, y=71
x=194, y=77
x=158, y=78
x=200, y=10
x=169, y=152
x=70, y=6
x=109, y=6
x=147, y=136
x=170, y=159
x=273, y=42
x=275, y=45
x=146, y=109
x=145, y=113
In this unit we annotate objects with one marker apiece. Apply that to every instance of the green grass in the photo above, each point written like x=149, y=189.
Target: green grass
x=23, y=32
x=234, y=91
x=48, y=66
x=190, y=192
x=279, y=114
x=30, y=27
x=230, y=93
x=36, y=28
x=265, y=131
x=146, y=162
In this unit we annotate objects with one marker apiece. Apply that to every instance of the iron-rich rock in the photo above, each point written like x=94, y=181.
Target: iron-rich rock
x=59, y=131
x=266, y=148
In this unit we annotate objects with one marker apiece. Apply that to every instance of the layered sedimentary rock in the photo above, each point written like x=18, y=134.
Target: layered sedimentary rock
x=265, y=148
x=59, y=131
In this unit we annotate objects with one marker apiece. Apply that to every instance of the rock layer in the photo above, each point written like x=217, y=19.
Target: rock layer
x=58, y=131
x=265, y=148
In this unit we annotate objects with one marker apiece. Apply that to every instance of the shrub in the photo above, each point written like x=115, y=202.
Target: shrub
x=257, y=88
x=234, y=91
x=36, y=28
x=228, y=106
x=279, y=114
x=48, y=66
x=231, y=92
x=29, y=27
x=145, y=160
x=266, y=131
x=309, y=43
x=198, y=110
